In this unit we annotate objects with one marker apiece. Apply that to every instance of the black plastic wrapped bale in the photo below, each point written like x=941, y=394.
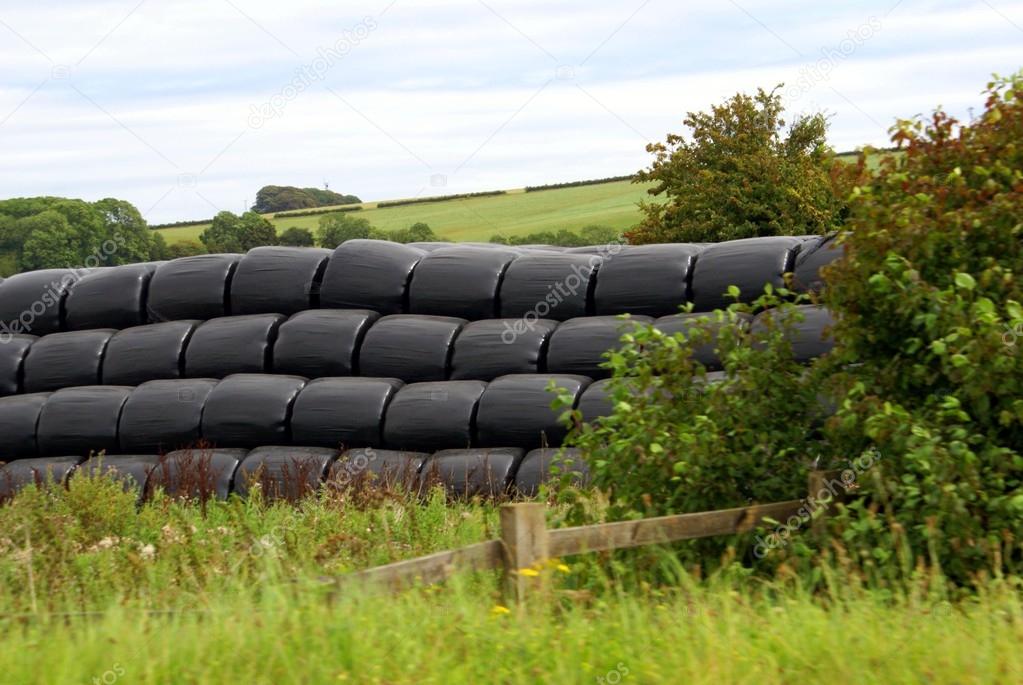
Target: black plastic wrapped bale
x=81, y=420
x=369, y=274
x=164, y=415
x=645, y=279
x=381, y=467
x=578, y=346
x=130, y=470
x=595, y=401
x=817, y=252
x=147, y=353
x=748, y=264
x=196, y=287
x=433, y=416
x=322, y=342
x=249, y=410
x=495, y=347
x=410, y=347
x=705, y=353
x=109, y=298
x=811, y=337
x=201, y=474
x=428, y=247
x=63, y=360
x=460, y=281
x=550, y=466
x=484, y=472
x=288, y=473
x=342, y=412
x=41, y=471
x=515, y=411
x=13, y=350
x=278, y=280
x=552, y=285
x=19, y=417
x=31, y=302
x=232, y=344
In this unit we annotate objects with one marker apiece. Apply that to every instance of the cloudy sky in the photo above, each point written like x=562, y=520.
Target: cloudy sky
x=187, y=107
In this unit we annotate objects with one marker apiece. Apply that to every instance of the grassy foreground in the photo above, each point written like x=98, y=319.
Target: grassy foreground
x=93, y=589
x=479, y=218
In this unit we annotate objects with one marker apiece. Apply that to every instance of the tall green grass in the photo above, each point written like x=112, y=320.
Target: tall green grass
x=94, y=588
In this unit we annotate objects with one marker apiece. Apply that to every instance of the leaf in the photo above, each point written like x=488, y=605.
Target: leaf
x=965, y=281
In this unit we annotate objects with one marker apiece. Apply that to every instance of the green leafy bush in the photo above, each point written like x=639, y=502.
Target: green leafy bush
x=738, y=176
x=297, y=237
x=232, y=233
x=679, y=443
x=926, y=374
x=929, y=305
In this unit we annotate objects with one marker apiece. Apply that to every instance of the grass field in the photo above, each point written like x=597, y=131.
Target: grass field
x=94, y=589
x=477, y=219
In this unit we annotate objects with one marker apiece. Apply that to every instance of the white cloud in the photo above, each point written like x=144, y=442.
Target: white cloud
x=440, y=84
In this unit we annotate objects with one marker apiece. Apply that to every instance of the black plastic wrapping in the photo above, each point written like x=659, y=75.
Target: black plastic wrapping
x=342, y=412
x=578, y=346
x=197, y=473
x=645, y=279
x=428, y=247
x=515, y=411
x=288, y=473
x=131, y=470
x=816, y=252
x=369, y=274
x=461, y=281
x=232, y=344
x=114, y=297
x=81, y=421
x=164, y=415
x=549, y=285
x=807, y=337
x=322, y=342
x=705, y=353
x=410, y=347
x=495, y=347
x=278, y=280
x=146, y=353
x=550, y=466
x=484, y=472
x=749, y=264
x=19, y=416
x=433, y=416
x=249, y=410
x=13, y=350
x=31, y=302
x=20, y=474
x=380, y=467
x=196, y=287
x=62, y=360
x=595, y=401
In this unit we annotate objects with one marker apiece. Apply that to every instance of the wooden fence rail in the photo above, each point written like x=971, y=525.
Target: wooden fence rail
x=525, y=541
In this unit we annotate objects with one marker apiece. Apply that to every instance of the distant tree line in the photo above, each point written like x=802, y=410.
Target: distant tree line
x=283, y=198
x=588, y=235
x=57, y=232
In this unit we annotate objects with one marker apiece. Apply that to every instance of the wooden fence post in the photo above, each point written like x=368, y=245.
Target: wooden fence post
x=524, y=536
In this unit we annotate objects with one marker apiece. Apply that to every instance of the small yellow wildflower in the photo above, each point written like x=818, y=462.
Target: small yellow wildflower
x=498, y=610
x=529, y=572
x=564, y=568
